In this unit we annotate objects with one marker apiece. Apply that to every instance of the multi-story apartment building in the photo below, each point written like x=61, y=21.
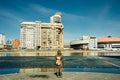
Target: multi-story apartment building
x=38, y=35
x=2, y=40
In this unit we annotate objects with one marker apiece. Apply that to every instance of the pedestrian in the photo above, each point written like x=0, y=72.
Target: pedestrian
x=59, y=63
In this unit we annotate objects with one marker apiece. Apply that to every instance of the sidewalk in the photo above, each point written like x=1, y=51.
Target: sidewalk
x=66, y=76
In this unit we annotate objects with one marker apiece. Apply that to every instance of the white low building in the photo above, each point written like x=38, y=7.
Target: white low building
x=109, y=43
x=86, y=42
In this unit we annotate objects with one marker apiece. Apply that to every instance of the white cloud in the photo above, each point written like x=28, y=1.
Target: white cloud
x=10, y=15
x=42, y=10
x=73, y=17
x=48, y=11
x=104, y=11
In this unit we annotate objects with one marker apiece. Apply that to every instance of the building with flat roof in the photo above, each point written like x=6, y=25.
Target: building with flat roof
x=39, y=35
x=109, y=43
x=86, y=42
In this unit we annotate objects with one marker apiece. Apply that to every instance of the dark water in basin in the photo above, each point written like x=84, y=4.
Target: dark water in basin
x=74, y=62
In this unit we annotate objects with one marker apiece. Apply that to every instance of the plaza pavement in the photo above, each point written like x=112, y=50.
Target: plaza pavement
x=66, y=76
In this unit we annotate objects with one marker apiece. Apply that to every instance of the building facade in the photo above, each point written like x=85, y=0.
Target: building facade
x=16, y=43
x=38, y=35
x=109, y=43
x=8, y=44
x=86, y=42
x=2, y=40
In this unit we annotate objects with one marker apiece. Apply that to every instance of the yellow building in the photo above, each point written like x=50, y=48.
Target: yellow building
x=38, y=35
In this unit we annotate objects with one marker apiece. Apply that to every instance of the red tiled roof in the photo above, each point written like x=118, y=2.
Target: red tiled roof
x=105, y=40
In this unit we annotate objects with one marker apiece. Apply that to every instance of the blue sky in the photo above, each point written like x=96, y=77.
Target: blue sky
x=79, y=17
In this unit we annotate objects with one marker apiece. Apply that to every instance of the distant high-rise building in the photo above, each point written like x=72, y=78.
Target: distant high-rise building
x=2, y=40
x=8, y=42
x=16, y=43
x=38, y=35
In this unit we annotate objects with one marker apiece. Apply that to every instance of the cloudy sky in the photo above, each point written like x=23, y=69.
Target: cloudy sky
x=100, y=18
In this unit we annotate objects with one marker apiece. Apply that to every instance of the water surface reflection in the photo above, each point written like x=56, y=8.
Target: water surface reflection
x=108, y=62
x=65, y=53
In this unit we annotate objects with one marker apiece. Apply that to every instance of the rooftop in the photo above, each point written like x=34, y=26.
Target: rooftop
x=109, y=39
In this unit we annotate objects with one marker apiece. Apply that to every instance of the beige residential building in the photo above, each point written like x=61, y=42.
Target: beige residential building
x=38, y=35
